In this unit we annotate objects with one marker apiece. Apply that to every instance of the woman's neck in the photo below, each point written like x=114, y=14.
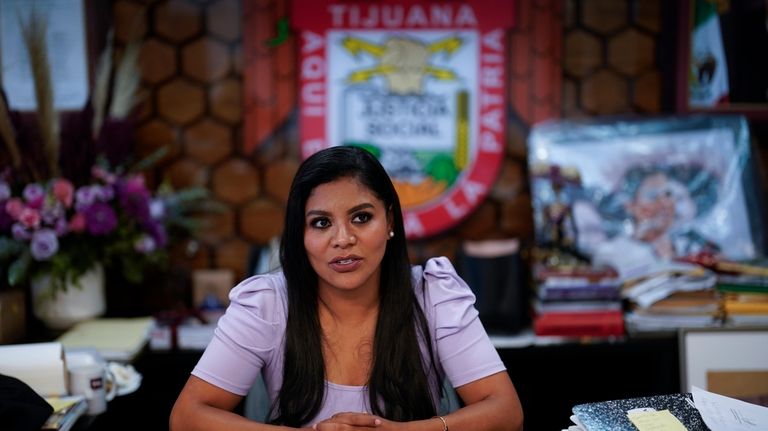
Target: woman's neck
x=347, y=307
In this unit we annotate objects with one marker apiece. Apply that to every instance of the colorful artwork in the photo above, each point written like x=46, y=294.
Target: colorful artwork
x=658, y=189
x=419, y=84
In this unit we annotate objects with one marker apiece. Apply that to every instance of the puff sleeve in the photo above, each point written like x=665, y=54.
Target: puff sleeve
x=247, y=336
x=464, y=350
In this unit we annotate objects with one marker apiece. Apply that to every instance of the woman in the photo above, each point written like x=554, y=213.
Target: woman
x=348, y=336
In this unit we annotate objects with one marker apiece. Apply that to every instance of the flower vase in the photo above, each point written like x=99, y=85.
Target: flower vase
x=82, y=300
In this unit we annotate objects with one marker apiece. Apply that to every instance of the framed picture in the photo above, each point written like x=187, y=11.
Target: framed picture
x=653, y=189
x=728, y=361
x=722, y=63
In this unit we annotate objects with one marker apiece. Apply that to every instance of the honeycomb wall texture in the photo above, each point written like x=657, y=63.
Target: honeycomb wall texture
x=567, y=58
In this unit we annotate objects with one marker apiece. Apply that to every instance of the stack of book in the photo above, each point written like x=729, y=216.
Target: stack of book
x=672, y=295
x=577, y=301
x=745, y=296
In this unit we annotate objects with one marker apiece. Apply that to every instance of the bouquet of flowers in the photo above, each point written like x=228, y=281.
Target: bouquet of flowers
x=67, y=201
x=57, y=229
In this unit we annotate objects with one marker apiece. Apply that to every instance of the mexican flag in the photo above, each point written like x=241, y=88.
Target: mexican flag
x=708, y=78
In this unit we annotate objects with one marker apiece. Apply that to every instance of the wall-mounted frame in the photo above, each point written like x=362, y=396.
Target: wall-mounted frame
x=728, y=361
x=76, y=31
x=745, y=38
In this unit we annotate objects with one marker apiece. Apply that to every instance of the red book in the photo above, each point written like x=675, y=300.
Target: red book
x=577, y=324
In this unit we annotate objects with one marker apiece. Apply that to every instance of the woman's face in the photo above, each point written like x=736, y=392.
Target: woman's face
x=659, y=202
x=346, y=228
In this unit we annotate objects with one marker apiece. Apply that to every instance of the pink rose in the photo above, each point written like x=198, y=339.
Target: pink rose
x=64, y=191
x=30, y=218
x=77, y=223
x=13, y=207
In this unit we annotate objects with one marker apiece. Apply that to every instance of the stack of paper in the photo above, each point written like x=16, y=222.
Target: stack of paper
x=116, y=339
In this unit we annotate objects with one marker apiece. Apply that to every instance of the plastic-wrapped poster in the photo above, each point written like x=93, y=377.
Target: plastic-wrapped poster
x=646, y=189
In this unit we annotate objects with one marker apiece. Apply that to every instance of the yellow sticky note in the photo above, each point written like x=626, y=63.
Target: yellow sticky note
x=61, y=403
x=661, y=420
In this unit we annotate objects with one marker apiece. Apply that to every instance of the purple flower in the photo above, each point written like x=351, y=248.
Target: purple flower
x=84, y=197
x=145, y=244
x=44, y=244
x=157, y=209
x=100, y=219
x=61, y=227
x=51, y=212
x=134, y=199
x=104, y=193
x=34, y=194
x=157, y=231
x=20, y=233
x=5, y=191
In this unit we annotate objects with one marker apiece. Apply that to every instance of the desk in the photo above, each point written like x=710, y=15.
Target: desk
x=164, y=375
x=550, y=379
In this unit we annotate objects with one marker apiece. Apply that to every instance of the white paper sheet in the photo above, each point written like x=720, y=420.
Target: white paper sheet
x=40, y=365
x=722, y=413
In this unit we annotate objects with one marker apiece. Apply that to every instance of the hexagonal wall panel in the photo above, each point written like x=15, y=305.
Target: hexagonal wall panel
x=157, y=61
x=208, y=141
x=278, y=177
x=154, y=135
x=605, y=92
x=233, y=254
x=187, y=173
x=217, y=226
x=261, y=220
x=205, y=59
x=236, y=181
x=180, y=101
x=224, y=19
x=648, y=14
x=225, y=100
x=604, y=16
x=582, y=53
x=177, y=20
x=631, y=52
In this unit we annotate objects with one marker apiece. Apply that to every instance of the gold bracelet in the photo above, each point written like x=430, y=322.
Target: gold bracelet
x=445, y=424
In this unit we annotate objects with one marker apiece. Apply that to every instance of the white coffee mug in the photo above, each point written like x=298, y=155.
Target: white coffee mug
x=95, y=382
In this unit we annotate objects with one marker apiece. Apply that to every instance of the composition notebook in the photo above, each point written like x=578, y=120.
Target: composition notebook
x=612, y=415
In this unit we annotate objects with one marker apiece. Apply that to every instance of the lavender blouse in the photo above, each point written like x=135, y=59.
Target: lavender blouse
x=249, y=338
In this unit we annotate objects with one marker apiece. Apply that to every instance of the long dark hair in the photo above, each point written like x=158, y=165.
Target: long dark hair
x=399, y=387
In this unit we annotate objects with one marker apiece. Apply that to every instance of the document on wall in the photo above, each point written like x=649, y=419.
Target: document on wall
x=65, y=27
x=722, y=413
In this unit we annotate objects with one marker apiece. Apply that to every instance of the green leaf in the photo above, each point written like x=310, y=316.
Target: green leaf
x=17, y=272
x=9, y=247
x=150, y=160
